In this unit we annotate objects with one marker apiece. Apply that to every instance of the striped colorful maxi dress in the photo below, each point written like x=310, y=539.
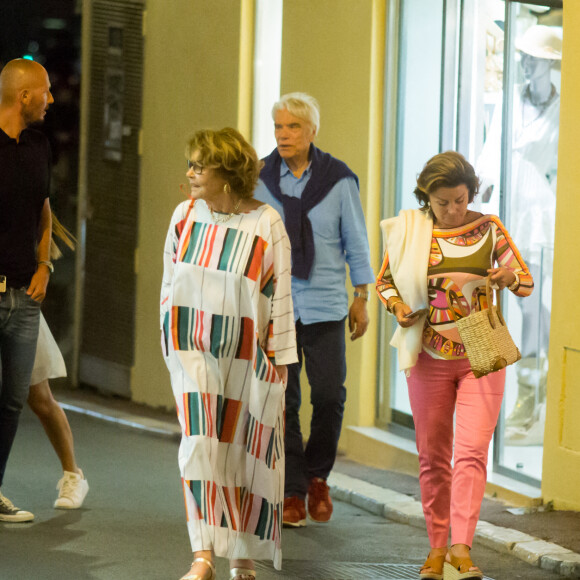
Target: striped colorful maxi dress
x=227, y=319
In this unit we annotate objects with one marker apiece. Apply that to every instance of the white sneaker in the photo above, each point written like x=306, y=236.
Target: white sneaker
x=10, y=513
x=73, y=488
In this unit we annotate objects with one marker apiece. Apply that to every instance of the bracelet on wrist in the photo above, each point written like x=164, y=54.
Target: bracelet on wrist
x=391, y=308
x=515, y=284
x=48, y=264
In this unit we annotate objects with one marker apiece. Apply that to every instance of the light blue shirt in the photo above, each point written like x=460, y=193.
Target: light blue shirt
x=340, y=237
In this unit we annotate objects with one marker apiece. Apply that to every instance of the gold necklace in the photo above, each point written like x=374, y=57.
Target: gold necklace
x=221, y=219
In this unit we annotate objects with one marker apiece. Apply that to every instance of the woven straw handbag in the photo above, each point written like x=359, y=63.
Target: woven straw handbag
x=488, y=343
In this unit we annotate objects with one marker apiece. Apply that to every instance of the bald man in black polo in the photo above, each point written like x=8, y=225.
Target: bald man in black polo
x=25, y=235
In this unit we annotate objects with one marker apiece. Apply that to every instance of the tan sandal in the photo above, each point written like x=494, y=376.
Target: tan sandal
x=432, y=569
x=235, y=572
x=459, y=569
x=204, y=576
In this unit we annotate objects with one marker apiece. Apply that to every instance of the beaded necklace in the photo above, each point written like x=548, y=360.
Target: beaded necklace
x=220, y=219
x=538, y=108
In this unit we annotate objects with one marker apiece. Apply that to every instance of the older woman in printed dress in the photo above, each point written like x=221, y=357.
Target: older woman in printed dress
x=228, y=334
x=446, y=246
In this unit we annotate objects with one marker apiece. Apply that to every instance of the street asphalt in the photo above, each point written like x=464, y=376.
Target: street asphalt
x=132, y=524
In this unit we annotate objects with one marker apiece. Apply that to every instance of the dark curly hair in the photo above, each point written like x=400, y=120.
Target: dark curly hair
x=230, y=155
x=448, y=169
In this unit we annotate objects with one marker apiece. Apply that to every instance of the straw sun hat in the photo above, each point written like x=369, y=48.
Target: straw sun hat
x=540, y=41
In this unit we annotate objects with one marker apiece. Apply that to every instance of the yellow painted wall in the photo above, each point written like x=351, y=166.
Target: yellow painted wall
x=191, y=82
x=332, y=49
x=561, y=468
x=326, y=52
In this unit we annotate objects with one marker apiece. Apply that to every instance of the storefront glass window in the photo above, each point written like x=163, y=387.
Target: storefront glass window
x=418, y=124
x=419, y=92
x=506, y=71
x=526, y=172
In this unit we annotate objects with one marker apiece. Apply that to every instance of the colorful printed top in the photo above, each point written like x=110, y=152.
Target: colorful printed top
x=458, y=261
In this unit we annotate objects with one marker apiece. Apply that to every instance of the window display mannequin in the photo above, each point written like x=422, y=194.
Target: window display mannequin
x=532, y=205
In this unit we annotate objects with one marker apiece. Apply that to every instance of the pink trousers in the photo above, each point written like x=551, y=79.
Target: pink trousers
x=452, y=496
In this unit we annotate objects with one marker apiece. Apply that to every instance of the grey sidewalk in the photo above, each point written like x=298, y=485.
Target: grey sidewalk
x=550, y=540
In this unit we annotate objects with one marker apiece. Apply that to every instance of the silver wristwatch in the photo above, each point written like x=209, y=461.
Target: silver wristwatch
x=366, y=294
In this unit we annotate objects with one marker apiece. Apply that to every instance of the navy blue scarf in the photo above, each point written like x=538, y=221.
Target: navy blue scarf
x=326, y=173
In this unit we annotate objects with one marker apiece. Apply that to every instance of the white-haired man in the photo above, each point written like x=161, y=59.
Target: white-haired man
x=319, y=200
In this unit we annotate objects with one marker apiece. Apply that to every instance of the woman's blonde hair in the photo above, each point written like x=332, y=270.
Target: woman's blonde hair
x=448, y=169
x=230, y=155
x=59, y=231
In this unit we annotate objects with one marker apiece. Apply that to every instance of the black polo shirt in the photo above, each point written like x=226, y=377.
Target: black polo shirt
x=24, y=185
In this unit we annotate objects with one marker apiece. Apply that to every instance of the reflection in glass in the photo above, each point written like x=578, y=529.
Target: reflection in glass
x=531, y=164
x=532, y=210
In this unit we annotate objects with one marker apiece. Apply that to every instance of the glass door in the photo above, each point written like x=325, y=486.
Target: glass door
x=483, y=77
x=517, y=167
x=418, y=129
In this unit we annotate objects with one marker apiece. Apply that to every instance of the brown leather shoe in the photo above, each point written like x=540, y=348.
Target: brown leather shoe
x=294, y=512
x=319, y=502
